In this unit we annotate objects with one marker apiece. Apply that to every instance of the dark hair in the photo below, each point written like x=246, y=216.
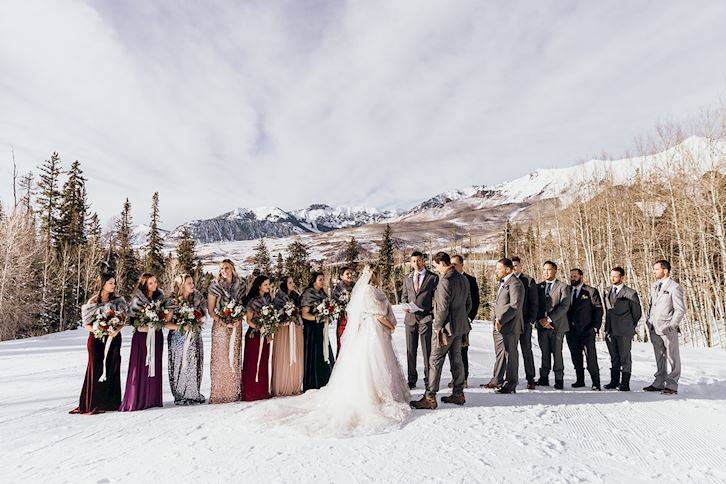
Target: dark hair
x=516, y=259
x=619, y=269
x=664, y=264
x=457, y=256
x=579, y=271
x=554, y=266
x=442, y=257
x=417, y=253
x=101, y=281
x=313, y=277
x=506, y=262
x=345, y=268
x=283, y=283
x=255, y=289
x=144, y=283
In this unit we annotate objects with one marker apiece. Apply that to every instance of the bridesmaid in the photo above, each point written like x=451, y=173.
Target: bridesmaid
x=225, y=374
x=143, y=390
x=185, y=383
x=96, y=396
x=255, y=373
x=343, y=289
x=317, y=370
x=287, y=375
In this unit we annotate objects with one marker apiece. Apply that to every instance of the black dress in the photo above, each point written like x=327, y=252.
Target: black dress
x=317, y=370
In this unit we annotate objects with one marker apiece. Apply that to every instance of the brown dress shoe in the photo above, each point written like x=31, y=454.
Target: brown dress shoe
x=666, y=391
x=531, y=385
x=492, y=386
x=426, y=403
x=455, y=399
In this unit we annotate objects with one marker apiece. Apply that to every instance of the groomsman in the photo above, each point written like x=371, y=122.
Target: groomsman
x=552, y=324
x=418, y=288
x=622, y=313
x=529, y=313
x=458, y=262
x=666, y=312
x=452, y=303
x=508, y=322
x=585, y=317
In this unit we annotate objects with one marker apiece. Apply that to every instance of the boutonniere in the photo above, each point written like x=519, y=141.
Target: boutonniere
x=584, y=296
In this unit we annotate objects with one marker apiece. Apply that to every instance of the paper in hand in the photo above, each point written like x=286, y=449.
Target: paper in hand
x=412, y=307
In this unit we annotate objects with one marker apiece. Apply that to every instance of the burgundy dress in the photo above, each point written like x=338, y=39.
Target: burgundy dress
x=143, y=391
x=255, y=383
x=96, y=396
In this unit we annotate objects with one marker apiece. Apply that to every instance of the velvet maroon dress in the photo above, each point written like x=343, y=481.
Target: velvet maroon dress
x=255, y=378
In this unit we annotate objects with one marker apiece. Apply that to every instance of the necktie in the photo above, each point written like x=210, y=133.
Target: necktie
x=577, y=292
x=657, y=291
x=417, y=286
x=548, y=288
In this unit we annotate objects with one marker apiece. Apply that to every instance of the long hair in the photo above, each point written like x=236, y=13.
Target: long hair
x=283, y=284
x=179, y=284
x=255, y=288
x=143, y=285
x=231, y=264
x=101, y=281
x=313, y=277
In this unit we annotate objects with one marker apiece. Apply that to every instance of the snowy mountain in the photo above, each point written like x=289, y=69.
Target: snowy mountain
x=140, y=234
x=273, y=222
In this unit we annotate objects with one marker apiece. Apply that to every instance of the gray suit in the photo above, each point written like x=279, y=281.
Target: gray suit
x=554, y=305
x=622, y=313
x=418, y=325
x=452, y=302
x=508, y=310
x=667, y=309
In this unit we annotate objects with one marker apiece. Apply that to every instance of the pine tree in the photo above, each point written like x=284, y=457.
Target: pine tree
x=73, y=208
x=485, y=295
x=185, y=251
x=127, y=264
x=279, y=267
x=155, y=262
x=49, y=199
x=27, y=189
x=93, y=230
x=352, y=250
x=298, y=262
x=385, y=261
x=262, y=258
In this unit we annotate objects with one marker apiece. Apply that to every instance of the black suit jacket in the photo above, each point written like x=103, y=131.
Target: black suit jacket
x=585, y=313
x=531, y=299
x=474, y=292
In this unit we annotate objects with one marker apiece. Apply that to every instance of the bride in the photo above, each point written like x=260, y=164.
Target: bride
x=367, y=392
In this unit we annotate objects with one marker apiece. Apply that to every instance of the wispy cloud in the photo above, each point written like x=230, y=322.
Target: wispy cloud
x=218, y=105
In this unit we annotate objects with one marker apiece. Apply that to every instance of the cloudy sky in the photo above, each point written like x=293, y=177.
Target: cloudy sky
x=223, y=104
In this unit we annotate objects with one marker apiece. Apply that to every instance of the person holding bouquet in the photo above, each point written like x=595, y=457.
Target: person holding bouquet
x=148, y=314
x=103, y=316
x=341, y=296
x=225, y=306
x=186, y=350
x=260, y=314
x=316, y=312
x=287, y=353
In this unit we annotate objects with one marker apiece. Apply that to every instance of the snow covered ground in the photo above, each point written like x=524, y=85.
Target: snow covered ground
x=538, y=436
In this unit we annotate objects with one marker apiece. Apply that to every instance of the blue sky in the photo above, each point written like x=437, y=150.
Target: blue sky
x=226, y=104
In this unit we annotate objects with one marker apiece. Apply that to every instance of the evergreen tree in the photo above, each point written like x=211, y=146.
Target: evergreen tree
x=352, y=250
x=385, y=261
x=155, y=262
x=485, y=295
x=27, y=189
x=186, y=252
x=73, y=208
x=279, y=267
x=298, y=262
x=49, y=199
x=93, y=229
x=262, y=258
x=127, y=264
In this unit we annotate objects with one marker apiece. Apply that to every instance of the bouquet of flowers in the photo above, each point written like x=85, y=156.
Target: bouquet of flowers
x=188, y=319
x=288, y=313
x=104, y=322
x=326, y=309
x=152, y=316
x=267, y=321
x=340, y=304
x=232, y=311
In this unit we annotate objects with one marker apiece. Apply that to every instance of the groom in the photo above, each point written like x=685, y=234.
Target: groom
x=452, y=302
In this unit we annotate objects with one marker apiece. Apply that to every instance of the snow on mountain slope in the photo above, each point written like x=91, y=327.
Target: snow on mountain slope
x=538, y=436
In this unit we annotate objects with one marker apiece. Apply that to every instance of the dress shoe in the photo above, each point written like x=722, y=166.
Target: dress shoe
x=531, y=385
x=505, y=390
x=651, y=388
x=425, y=403
x=455, y=399
x=624, y=382
x=596, y=388
x=543, y=382
x=614, y=379
x=411, y=386
x=492, y=386
x=580, y=380
x=559, y=384
x=669, y=391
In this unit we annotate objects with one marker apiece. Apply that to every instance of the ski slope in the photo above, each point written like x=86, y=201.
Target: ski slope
x=537, y=436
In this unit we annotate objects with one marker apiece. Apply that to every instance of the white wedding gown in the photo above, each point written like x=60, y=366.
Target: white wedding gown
x=367, y=392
